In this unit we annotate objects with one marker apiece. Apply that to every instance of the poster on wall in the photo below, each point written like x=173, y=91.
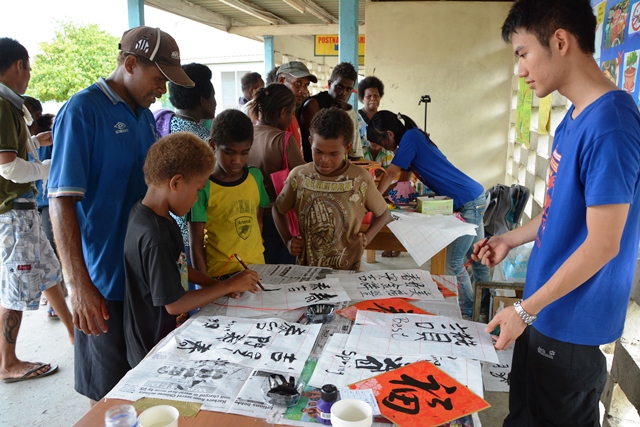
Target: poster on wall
x=544, y=115
x=618, y=42
x=523, y=113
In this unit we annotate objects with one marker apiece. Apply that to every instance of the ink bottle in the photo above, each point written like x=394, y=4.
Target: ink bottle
x=328, y=396
x=121, y=416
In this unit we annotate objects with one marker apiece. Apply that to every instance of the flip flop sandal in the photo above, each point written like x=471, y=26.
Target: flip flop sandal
x=390, y=254
x=52, y=369
x=51, y=314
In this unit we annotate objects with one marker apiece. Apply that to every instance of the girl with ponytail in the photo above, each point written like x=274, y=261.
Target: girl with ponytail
x=414, y=151
x=274, y=107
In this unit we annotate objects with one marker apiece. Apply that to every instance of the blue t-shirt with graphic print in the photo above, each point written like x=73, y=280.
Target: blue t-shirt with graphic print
x=595, y=161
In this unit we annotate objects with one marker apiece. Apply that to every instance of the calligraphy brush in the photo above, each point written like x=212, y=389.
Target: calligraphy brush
x=246, y=268
x=468, y=263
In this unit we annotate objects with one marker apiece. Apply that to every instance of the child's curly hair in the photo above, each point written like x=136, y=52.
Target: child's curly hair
x=180, y=153
x=231, y=126
x=331, y=123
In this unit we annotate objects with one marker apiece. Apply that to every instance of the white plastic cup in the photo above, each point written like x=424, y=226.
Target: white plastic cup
x=159, y=416
x=351, y=413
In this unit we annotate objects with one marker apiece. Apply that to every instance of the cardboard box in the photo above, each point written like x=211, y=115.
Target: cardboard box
x=502, y=302
x=436, y=205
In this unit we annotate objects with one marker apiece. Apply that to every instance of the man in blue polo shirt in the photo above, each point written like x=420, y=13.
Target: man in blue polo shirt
x=101, y=137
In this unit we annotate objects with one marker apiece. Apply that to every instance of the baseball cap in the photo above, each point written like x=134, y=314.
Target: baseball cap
x=296, y=69
x=158, y=47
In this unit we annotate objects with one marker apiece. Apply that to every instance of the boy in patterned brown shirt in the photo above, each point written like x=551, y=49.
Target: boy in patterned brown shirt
x=330, y=197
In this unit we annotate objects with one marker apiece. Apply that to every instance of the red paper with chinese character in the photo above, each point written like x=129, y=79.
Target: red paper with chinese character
x=421, y=395
x=387, y=305
x=444, y=291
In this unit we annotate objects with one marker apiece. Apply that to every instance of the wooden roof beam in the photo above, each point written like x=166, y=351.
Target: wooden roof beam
x=195, y=12
x=288, y=30
x=255, y=11
x=319, y=12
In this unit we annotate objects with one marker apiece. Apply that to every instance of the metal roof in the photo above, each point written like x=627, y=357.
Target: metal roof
x=257, y=18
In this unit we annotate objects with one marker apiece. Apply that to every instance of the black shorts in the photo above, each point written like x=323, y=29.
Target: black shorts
x=275, y=250
x=554, y=383
x=101, y=361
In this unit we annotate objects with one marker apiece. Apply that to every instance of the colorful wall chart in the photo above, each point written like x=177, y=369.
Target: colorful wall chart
x=523, y=113
x=618, y=42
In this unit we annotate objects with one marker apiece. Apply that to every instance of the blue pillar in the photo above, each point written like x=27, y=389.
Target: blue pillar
x=269, y=60
x=136, y=13
x=348, y=37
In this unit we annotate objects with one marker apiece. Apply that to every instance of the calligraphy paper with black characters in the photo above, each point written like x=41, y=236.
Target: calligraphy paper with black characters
x=495, y=375
x=380, y=284
x=419, y=334
x=288, y=296
x=420, y=394
x=271, y=344
x=342, y=367
x=276, y=274
x=388, y=305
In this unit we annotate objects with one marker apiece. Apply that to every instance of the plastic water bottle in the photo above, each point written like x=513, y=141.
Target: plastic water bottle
x=328, y=396
x=121, y=416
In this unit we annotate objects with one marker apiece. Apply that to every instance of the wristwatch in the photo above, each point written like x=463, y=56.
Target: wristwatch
x=526, y=317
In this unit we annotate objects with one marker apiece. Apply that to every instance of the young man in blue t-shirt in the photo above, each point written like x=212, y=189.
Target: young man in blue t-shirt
x=102, y=135
x=586, y=239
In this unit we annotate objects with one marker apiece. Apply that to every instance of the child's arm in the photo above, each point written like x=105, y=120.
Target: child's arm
x=294, y=244
x=387, y=179
x=196, y=241
x=374, y=227
x=200, y=278
x=244, y=281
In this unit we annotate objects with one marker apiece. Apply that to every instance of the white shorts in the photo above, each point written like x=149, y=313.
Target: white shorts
x=29, y=265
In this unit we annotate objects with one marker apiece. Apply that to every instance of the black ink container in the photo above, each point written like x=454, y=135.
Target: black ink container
x=328, y=396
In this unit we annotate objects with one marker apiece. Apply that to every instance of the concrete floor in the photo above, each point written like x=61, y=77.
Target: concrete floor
x=52, y=401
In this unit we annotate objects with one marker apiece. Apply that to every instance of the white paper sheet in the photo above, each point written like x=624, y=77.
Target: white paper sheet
x=440, y=308
x=267, y=344
x=287, y=296
x=495, y=375
x=424, y=236
x=342, y=367
x=378, y=284
x=417, y=334
x=275, y=274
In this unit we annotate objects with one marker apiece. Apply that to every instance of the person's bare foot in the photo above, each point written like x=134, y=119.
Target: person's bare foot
x=22, y=368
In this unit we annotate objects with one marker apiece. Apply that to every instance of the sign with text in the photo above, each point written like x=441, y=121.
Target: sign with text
x=327, y=45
